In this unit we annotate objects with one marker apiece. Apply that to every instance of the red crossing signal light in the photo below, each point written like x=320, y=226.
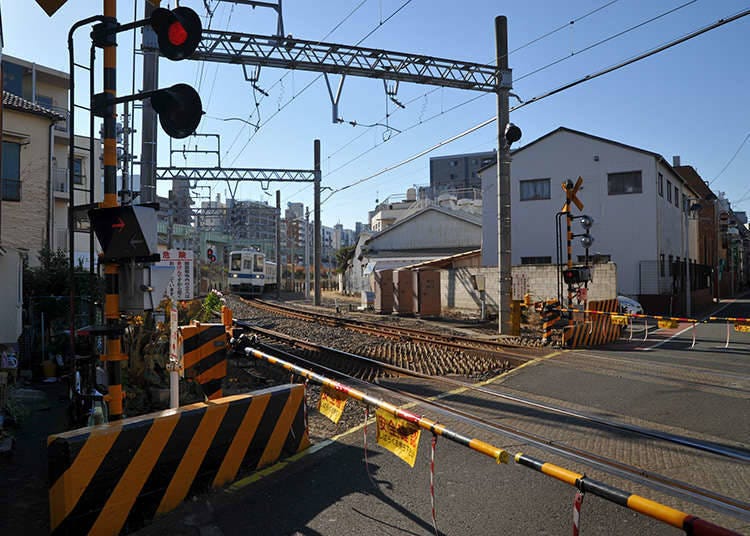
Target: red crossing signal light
x=179, y=31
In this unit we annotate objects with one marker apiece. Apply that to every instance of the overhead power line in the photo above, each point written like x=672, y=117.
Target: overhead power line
x=731, y=159
x=587, y=78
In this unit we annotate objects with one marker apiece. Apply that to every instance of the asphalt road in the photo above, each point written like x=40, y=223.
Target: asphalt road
x=703, y=393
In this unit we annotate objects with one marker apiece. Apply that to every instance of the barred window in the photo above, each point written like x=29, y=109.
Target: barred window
x=628, y=182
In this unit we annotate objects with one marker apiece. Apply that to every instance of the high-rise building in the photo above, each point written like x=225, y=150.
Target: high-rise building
x=459, y=172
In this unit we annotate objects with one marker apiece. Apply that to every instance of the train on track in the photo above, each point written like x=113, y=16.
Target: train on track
x=250, y=273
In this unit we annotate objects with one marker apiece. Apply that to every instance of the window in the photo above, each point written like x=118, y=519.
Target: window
x=676, y=197
x=258, y=267
x=236, y=262
x=661, y=265
x=628, y=182
x=536, y=260
x=535, y=189
x=247, y=264
x=669, y=191
x=78, y=170
x=13, y=78
x=661, y=185
x=11, y=171
x=46, y=102
x=670, y=265
x=685, y=203
x=454, y=163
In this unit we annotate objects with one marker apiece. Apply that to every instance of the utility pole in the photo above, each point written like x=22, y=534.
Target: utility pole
x=148, y=115
x=503, y=182
x=316, y=208
x=307, y=253
x=278, y=244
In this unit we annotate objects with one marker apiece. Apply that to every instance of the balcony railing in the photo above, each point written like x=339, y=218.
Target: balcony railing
x=60, y=180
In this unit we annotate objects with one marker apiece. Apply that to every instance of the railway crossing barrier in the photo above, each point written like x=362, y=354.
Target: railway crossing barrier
x=692, y=525
x=740, y=324
x=204, y=349
x=599, y=329
x=112, y=478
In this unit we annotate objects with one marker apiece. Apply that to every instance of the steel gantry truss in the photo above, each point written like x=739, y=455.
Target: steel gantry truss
x=330, y=58
x=289, y=53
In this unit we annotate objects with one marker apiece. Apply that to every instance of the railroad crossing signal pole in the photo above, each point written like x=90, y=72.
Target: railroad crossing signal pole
x=503, y=182
x=318, y=238
x=113, y=352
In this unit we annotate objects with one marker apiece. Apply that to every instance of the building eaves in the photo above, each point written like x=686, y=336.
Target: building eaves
x=695, y=182
x=14, y=102
x=446, y=261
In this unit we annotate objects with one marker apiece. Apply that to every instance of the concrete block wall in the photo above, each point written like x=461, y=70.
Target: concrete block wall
x=540, y=281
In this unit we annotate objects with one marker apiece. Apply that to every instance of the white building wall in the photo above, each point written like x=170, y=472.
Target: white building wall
x=630, y=227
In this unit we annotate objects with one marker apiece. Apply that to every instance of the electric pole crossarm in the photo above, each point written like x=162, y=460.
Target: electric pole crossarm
x=235, y=174
x=289, y=53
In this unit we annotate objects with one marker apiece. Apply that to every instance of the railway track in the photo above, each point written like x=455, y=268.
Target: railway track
x=328, y=360
x=513, y=354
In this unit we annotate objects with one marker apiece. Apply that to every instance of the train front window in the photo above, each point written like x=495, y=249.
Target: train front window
x=236, y=262
x=247, y=264
x=258, y=263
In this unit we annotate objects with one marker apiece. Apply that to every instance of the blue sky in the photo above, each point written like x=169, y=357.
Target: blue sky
x=690, y=100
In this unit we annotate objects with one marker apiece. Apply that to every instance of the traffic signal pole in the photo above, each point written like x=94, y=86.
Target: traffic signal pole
x=113, y=351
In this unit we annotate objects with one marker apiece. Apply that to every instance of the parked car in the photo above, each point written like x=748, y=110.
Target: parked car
x=629, y=305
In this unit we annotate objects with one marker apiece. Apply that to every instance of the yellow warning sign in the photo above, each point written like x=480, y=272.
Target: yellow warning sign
x=332, y=403
x=619, y=320
x=744, y=327
x=397, y=435
x=667, y=324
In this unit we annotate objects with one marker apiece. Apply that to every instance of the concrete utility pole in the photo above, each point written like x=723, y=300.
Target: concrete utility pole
x=278, y=244
x=503, y=183
x=148, y=115
x=318, y=240
x=307, y=253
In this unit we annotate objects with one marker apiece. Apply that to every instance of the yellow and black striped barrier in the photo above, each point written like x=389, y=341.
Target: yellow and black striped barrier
x=692, y=525
x=599, y=329
x=550, y=316
x=112, y=478
x=204, y=349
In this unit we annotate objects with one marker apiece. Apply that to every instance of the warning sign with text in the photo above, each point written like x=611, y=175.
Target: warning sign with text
x=180, y=286
x=397, y=435
x=332, y=403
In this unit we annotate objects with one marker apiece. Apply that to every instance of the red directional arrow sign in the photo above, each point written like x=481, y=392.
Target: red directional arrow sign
x=50, y=6
x=125, y=232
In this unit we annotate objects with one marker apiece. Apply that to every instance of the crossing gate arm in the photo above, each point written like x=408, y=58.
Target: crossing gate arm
x=692, y=525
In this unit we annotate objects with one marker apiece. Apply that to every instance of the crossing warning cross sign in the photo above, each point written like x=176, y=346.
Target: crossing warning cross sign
x=126, y=232
x=50, y=6
x=571, y=194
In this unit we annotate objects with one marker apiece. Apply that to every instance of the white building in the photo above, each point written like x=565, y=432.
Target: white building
x=635, y=197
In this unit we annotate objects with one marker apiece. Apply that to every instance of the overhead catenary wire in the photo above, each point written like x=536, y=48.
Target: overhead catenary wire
x=281, y=78
x=307, y=86
x=536, y=71
x=564, y=87
x=521, y=47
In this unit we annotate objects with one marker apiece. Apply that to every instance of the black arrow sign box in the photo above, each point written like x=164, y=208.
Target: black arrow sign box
x=125, y=232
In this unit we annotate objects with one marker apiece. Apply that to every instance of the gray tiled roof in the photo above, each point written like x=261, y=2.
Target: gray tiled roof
x=14, y=102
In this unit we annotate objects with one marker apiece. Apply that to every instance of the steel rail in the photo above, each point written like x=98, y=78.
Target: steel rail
x=728, y=452
x=390, y=331
x=631, y=501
